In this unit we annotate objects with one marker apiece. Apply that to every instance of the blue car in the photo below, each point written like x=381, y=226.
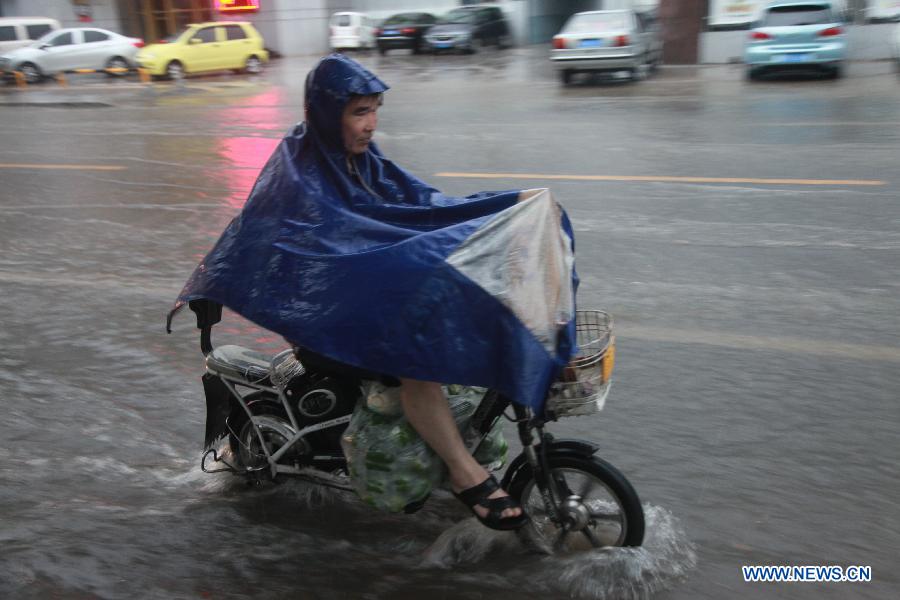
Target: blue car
x=797, y=35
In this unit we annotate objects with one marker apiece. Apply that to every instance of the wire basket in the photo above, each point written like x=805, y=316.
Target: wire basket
x=584, y=383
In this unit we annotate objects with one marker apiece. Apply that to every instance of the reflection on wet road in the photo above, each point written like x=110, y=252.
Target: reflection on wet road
x=755, y=398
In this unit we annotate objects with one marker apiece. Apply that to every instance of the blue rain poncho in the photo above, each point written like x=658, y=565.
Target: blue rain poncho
x=357, y=260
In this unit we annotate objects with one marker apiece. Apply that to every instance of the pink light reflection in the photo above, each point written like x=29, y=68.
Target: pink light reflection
x=244, y=157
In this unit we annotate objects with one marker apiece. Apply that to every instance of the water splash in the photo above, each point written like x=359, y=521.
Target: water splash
x=468, y=542
x=666, y=557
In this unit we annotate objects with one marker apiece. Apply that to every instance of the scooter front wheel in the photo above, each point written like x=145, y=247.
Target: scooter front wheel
x=594, y=504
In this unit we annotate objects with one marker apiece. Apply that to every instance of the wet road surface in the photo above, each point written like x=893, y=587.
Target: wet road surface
x=755, y=407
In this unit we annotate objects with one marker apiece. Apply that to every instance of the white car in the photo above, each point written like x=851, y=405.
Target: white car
x=18, y=32
x=351, y=30
x=70, y=49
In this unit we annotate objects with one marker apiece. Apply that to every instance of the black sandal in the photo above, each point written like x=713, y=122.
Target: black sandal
x=478, y=496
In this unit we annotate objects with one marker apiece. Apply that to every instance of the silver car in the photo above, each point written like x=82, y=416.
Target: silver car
x=70, y=49
x=607, y=40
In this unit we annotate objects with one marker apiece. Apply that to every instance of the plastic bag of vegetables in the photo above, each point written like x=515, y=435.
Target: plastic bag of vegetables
x=391, y=467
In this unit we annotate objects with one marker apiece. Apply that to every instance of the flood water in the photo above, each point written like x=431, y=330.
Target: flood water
x=755, y=403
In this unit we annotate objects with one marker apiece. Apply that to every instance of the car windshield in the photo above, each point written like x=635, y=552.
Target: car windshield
x=340, y=20
x=459, y=16
x=45, y=38
x=171, y=39
x=813, y=14
x=409, y=19
x=597, y=22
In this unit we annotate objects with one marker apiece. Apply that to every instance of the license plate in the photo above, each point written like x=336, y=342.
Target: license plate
x=591, y=43
x=390, y=32
x=793, y=58
x=442, y=44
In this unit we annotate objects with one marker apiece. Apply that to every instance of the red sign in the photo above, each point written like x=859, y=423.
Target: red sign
x=228, y=6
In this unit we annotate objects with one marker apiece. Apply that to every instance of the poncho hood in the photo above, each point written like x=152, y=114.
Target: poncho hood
x=329, y=88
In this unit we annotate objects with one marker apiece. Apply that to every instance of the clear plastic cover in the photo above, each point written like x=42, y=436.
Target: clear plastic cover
x=390, y=465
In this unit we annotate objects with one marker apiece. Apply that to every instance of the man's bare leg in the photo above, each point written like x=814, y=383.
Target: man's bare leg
x=427, y=411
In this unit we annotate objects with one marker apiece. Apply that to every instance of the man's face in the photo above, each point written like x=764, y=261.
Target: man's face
x=359, y=122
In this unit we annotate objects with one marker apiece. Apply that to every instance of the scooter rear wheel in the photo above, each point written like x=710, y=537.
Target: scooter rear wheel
x=270, y=430
x=241, y=438
x=596, y=504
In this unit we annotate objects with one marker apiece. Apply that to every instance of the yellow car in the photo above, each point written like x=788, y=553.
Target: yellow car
x=206, y=47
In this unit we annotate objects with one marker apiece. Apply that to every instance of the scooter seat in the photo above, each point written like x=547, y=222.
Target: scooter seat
x=239, y=362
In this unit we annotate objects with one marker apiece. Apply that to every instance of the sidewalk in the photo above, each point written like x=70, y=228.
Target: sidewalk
x=522, y=65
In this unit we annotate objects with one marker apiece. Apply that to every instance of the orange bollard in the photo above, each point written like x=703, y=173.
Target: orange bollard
x=21, y=82
x=144, y=75
x=61, y=80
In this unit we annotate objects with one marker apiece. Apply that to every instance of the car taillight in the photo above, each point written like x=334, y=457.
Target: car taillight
x=621, y=40
x=831, y=31
x=759, y=35
x=378, y=31
x=137, y=43
x=408, y=30
x=559, y=43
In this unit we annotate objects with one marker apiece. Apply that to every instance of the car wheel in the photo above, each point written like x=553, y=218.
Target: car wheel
x=639, y=73
x=253, y=65
x=837, y=72
x=751, y=74
x=503, y=42
x=32, y=72
x=565, y=77
x=382, y=50
x=117, y=63
x=175, y=71
x=645, y=68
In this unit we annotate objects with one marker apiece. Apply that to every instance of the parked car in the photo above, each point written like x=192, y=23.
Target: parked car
x=351, y=30
x=213, y=46
x=467, y=28
x=69, y=49
x=797, y=34
x=607, y=41
x=18, y=32
x=404, y=30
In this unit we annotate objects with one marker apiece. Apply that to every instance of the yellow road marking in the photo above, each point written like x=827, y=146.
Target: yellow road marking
x=665, y=179
x=738, y=341
x=63, y=167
